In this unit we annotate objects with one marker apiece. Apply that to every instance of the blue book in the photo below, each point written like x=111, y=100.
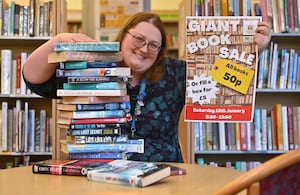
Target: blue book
x=97, y=155
x=69, y=65
x=95, y=107
x=87, y=46
x=104, y=147
x=92, y=114
x=95, y=86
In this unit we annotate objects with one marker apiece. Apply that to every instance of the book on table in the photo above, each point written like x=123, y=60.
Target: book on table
x=74, y=167
x=131, y=173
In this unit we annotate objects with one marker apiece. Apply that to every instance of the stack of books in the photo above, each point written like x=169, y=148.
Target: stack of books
x=94, y=106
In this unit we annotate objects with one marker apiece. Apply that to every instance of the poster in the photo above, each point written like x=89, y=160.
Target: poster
x=222, y=61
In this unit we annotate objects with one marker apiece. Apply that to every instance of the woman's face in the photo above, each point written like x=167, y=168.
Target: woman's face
x=140, y=47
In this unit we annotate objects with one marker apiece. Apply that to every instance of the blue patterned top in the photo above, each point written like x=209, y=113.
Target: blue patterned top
x=158, y=122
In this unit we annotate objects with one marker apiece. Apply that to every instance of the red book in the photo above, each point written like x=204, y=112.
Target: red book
x=290, y=127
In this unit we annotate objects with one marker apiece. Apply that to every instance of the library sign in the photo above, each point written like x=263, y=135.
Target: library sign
x=221, y=68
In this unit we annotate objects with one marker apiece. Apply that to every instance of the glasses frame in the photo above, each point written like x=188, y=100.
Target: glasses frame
x=139, y=42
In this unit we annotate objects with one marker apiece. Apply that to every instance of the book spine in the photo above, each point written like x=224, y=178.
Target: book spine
x=6, y=61
x=59, y=170
x=94, y=86
x=106, y=147
x=115, y=92
x=97, y=155
x=105, y=106
x=97, y=79
x=98, y=120
x=118, y=71
x=98, y=114
x=88, y=46
x=96, y=131
x=97, y=139
x=84, y=64
x=113, y=178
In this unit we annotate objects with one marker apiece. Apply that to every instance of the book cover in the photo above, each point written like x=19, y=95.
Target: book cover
x=221, y=68
x=95, y=86
x=69, y=65
x=67, y=167
x=132, y=173
x=83, y=92
x=63, y=56
x=94, y=72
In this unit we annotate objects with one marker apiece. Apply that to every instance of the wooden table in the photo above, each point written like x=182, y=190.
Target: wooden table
x=198, y=180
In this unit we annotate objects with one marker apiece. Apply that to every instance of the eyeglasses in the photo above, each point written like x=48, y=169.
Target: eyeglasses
x=140, y=42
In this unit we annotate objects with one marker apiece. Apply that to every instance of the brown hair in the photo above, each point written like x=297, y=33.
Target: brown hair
x=158, y=69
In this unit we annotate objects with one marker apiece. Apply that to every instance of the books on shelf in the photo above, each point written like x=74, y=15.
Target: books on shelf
x=77, y=167
x=132, y=173
x=221, y=71
x=88, y=46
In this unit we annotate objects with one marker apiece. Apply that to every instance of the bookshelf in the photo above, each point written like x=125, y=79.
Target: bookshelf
x=17, y=152
x=266, y=98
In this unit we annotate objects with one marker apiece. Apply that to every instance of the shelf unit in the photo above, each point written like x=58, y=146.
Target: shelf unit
x=265, y=98
x=19, y=44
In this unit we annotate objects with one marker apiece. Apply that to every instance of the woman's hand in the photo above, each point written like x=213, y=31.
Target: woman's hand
x=263, y=35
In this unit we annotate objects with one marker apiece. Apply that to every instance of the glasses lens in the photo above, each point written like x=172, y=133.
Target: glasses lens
x=140, y=42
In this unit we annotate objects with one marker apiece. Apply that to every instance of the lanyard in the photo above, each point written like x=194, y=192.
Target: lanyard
x=139, y=103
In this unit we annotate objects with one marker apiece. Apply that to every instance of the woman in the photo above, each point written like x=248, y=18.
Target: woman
x=143, y=46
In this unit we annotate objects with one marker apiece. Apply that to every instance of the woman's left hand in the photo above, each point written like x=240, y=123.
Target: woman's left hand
x=263, y=35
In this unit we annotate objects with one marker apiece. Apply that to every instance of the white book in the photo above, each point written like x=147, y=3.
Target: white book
x=4, y=125
x=43, y=122
x=264, y=129
x=285, y=128
x=6, y=64
x=222, y=136
x=25, y=127
x=31, y=129
x=24, y=56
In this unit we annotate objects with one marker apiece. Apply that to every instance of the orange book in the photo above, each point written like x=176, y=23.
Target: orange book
x=225, y=11
x=278, y=117
x=238, y=136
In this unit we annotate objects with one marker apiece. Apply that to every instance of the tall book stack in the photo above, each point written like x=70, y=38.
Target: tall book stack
x=94, y=104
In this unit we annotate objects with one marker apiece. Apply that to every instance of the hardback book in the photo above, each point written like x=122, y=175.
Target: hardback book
x=71, y=65
x=117, y=71
x=70, y=121
x=103, y=147
x=222, y=59
x=97, y=79
x=94, y=99
x=131, y=173
x=94, y=86
x=76, y=167
x=63, y=56
x=92, y=114
x=94, y=107
x=83, y=92
x=88, y=46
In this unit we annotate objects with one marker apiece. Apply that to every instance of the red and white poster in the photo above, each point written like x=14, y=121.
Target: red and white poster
x=222, y=61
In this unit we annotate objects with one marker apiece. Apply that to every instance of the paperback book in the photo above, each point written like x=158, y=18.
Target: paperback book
x=71, y=121
x=131, y=173
x=74, y=167
x=92, y=114
x=103, y=147
x=98, y=155
x=94, y=86
x=94, y=72
x=89, y=92
x=73, y=65
x=88, y=46
x=94, y=99
x=221, y=74
x=97, y=79
x=94, y=107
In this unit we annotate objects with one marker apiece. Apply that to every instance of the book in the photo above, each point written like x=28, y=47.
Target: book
x=97, y=155
x=103, y=147
x=94, y=99
x=92, y=114
x=222, y=60
x=95, y=129
x=63, y=56
x=94, y=107
x=96, y=139
x=132, y=173
x=6, y=61
x=108, y=92
x=88, y=46
x=66, y=120
x=177, y=170
x=67, y=167
x=94, y=86
x=70, y=65
x=97, y=79
x=117, y=71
